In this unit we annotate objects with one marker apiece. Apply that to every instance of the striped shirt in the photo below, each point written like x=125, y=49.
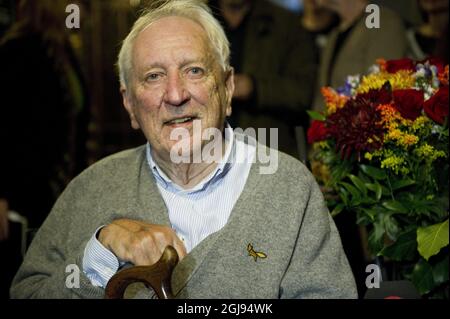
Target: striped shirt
x=194, y=213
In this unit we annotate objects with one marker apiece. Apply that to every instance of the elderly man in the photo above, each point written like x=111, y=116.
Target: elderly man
x=128, y=207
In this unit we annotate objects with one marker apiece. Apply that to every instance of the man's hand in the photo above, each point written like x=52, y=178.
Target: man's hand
x=4, y=223
x=138, y=242
x=243, y=87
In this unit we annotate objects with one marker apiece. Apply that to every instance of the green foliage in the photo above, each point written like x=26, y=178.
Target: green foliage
x=406, y=214
x=316, y=115
x=432, y=239
x=392, y=172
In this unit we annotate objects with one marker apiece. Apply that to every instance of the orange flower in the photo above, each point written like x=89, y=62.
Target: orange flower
x=389, y=114
x=382, y=64
x=333, y=100
x=443, y=76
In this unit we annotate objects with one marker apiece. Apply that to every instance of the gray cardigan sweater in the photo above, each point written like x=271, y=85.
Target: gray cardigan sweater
x=282, y=215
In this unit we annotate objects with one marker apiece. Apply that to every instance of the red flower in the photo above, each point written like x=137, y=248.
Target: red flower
x=356, y=127
x=317, y=132
x=409, y=103
x=376, y=97
x=437, y=106
x=393, y=66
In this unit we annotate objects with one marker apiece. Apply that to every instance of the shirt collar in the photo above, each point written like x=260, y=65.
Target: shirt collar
x=219, y=172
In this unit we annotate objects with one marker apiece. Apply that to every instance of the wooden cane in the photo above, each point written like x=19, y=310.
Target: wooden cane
x=158, y=276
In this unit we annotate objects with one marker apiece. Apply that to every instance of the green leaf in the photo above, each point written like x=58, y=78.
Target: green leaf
x=343, y=194
x=385, y=191
x=337, y=209
x=378, y=191
x=358, y=183
x=432, y=238
x=316, y=115
x=376, y=188
x=402, y=183
x=422, y=277
x=363, y=220
x=371, y=212
x=440, y=271
x=356, y=195
x=376, y=238
x=373, y=171
x=395, y=206
x=366, y=200
x=391, y=227
x=351, y=189
x=404, y=248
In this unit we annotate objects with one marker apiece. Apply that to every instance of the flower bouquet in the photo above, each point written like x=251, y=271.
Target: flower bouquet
x=381, y=149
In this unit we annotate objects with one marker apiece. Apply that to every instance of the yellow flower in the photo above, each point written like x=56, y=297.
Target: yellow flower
x=429, y=153
x=402, y=79
x=420, y=122
x=408, y=140
x=393, y=134
x=395, y=164
x=401, y=138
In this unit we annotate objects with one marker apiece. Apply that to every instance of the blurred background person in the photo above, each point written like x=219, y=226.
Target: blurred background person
x=43, y=117
x=275, y=66
x=430, y=38
x=352, y=47
x=318, y=20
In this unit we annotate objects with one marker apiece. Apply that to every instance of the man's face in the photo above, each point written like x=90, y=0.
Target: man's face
x=175, y=80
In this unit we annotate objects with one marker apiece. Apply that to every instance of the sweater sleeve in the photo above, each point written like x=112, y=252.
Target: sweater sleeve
x=319, y=267
x=53, y=265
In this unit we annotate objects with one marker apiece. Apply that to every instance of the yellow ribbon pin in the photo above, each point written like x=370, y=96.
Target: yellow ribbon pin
x=255, y=254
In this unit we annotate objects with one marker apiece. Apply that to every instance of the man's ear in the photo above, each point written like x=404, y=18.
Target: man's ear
x=128, y=103
x=229, y=86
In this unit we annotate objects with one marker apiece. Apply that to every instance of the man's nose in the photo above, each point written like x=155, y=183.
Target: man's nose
x=176, y=93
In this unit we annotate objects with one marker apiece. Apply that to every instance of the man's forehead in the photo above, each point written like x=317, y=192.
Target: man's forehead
x=173, y=25
x=172, y=32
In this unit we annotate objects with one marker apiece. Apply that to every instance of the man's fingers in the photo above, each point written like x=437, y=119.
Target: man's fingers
x=139, y=242
x=179, y=247
x=181, y=251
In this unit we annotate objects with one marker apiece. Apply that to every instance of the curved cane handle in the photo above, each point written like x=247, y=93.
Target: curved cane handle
x=158, y=276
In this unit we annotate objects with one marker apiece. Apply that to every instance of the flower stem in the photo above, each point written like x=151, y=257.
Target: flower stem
x=390, y=187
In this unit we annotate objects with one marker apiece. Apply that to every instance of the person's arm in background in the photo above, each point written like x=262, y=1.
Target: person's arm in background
x=4, y=224
x=292, y=86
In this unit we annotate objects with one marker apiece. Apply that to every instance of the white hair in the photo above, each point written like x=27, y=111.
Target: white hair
x=196, y=10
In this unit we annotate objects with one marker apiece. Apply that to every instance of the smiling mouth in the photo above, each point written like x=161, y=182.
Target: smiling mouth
x=180, y=120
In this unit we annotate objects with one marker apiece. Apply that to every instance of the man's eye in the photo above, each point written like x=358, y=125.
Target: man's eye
x=196, y=71
x=153, y=77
